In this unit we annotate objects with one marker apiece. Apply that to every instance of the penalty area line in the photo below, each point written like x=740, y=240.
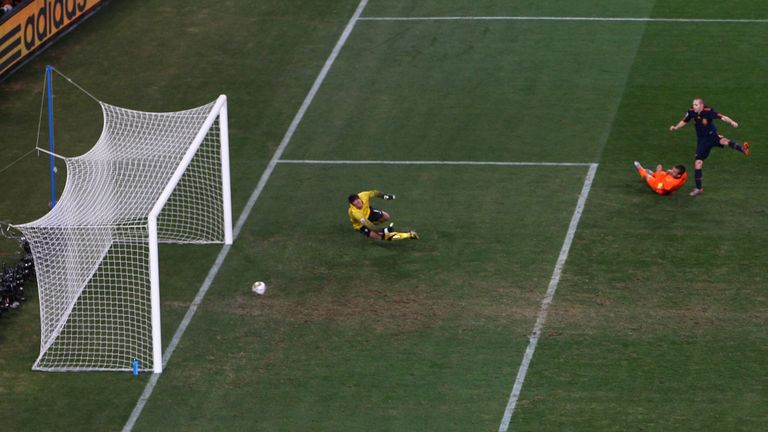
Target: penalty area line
x=554, y=18
x=136, y=413
x=547, y=301
x=405, y=162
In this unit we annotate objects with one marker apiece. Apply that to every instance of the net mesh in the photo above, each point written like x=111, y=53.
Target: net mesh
x=91, y=250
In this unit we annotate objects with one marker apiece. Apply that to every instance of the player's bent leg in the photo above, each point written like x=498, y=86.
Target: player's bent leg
x=378, y=217
x=375, y=216
x=642, y=172
x=735, y=146
x=640, y=169
x=396, y=236
x=370, y=233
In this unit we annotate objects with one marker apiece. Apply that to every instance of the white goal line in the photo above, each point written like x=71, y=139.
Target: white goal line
x=427, y=162
x=554, y=18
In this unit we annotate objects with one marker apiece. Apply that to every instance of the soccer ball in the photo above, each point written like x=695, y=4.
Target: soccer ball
x=259, y=288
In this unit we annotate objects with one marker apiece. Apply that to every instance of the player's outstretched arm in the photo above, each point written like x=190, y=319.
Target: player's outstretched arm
x=729, y=120
x=379, y=194
x=677, y=126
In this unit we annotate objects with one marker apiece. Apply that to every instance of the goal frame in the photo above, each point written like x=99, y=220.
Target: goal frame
x=219, y=111
x=215, y=120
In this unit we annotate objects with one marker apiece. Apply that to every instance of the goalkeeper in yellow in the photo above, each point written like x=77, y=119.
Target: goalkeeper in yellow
x=365, y=219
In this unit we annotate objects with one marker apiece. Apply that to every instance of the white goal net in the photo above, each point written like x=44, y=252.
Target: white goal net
x=151, y=177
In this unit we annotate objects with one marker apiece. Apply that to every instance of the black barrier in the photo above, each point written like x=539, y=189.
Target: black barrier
x=13, y=279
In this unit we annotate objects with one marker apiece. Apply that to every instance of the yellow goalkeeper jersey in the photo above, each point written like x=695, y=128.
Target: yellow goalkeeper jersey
x=356, y=214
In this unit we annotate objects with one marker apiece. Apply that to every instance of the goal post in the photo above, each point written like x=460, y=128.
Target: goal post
x=219, y=112
x=151, y=178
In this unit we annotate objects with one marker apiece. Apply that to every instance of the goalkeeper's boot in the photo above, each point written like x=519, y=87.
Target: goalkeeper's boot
x=414, y=235
x=746, y=148
x=642, y=171
x=697, y=191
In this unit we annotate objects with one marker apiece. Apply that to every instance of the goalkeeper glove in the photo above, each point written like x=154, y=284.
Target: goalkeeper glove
x=389, y=197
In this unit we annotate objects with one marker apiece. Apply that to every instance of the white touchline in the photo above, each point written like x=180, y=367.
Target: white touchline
x=406, y=162
x=544, y=309
x=244, y=215
x=553, y=18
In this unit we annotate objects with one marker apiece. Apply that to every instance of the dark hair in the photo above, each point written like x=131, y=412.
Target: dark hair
x=680, y=168
x=352, y=198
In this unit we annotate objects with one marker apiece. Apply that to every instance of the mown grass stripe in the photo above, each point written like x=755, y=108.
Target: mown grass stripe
x=136, y=413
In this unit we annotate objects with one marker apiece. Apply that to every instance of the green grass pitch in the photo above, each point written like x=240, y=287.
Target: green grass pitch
x=659, y=318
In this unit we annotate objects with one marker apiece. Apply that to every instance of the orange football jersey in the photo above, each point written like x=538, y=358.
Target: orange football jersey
x=663, y=183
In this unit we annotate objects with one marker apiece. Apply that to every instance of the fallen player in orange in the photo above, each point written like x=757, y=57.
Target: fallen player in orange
x=663, y=182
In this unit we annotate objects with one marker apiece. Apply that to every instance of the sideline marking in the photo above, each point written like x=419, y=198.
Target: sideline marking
x=542, y=315
x=553, y=18
x=244, y=216
x=393, y=162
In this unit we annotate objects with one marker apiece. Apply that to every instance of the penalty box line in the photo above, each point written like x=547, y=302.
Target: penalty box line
x=586, y=19
x=426, y=162
x=541, y=317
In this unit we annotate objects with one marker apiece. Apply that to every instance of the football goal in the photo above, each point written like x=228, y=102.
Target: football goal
x=150, y=178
